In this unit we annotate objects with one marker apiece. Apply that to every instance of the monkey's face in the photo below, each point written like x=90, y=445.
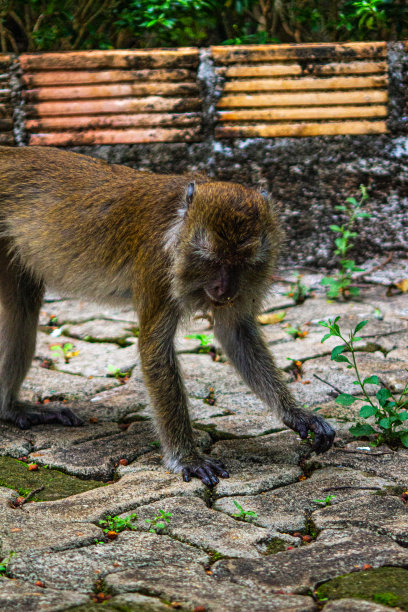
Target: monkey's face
x=228, y=246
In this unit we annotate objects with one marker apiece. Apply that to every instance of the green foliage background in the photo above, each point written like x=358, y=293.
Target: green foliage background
x=44, y=25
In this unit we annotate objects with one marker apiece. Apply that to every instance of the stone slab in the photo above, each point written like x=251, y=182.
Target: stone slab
x=380, y=461
x=79, y=569
x=381, y=514
x=298, y=570
x=194, y=523
x=288, y=508
x=99, y=458
x=134, y=489
x=18, y=595
x=259, y=464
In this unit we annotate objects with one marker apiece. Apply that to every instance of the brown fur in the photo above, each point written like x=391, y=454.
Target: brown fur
x=171, y=244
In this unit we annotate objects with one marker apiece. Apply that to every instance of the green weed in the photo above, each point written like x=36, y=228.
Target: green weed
x=156, y=523
x=118, y=524
x=389, y=412
x=326, y=501
x=244, y=515
x=342, y=283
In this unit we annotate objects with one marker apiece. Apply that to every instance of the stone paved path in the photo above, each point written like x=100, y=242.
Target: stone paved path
x=55, y=554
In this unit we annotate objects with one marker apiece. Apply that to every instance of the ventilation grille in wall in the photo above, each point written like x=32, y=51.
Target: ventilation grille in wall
x=111, y=97
x=302, y=90
x=6, y=105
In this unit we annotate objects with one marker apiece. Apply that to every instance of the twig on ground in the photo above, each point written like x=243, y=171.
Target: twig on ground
x=327, y=489
x=367, y=454
x=24, y=500
x=326, y=382
x=378, y=267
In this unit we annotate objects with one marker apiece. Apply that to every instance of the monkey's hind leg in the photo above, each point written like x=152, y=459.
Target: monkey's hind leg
x=20, y=302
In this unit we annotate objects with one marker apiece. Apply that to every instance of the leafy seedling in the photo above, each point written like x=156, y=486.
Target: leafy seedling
x=326, y=501
x=342, y=283
x=389, y=412
x=244, y=515
x=205, y=341
x=156, y=523
x=4, y=564
x=298, y=291
x=118, y=524
x=65, y=350
x=119, y=374
x=296, y=332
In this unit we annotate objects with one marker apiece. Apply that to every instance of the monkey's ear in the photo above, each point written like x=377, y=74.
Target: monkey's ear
x=187, y=200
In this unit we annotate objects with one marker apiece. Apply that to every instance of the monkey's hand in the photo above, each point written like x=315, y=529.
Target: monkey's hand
x=204, y=468
x=303, y=421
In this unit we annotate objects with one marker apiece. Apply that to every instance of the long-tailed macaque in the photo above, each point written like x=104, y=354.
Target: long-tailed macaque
x=169, y=244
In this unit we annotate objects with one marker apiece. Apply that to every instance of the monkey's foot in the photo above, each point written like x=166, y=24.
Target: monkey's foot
x=204, y=468
x=302, y=422
x=25, y=419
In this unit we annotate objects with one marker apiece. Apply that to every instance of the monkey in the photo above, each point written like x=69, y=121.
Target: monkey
x=170, y=245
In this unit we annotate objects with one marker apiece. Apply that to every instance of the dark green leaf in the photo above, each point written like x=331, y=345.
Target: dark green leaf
x=403, y=416
x=371, y=380
x=361, y=430
x=367, y=411
x=325, y=337
x=382, y=395
x=385, y=423
x=341, y=358
x=360, y=326
x=404, y=438
x=337, y=350
x=345, y=399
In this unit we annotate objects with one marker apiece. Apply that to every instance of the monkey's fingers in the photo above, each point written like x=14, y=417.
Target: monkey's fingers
x=324, y=434
x=62, y=416
x=219, y=467
x=206, y=471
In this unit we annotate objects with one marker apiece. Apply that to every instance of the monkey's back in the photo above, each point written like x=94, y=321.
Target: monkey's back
x=54, y=202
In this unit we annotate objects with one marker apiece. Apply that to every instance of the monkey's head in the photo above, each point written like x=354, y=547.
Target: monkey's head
x=228, y=239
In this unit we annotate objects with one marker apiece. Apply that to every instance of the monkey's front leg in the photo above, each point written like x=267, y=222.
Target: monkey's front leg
x=169, y=400
x=248, y=352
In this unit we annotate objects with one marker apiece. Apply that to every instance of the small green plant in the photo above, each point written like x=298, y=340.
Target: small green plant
x=117, y=373
x=244, y=515
x=118, y=524
x=205, y=340
x=65, y=350
x=326, y=501
x=341, y=284
x=4, y=564
x=389, y=412
x=298, y=291
x=156, y=523
x=296, y=332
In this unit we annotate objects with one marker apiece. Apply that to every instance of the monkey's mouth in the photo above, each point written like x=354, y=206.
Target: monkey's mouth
x=223, y=303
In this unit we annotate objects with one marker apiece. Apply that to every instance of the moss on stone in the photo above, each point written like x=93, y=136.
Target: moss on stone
x=275, y=545
x=384, y=585
x=15, y=474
